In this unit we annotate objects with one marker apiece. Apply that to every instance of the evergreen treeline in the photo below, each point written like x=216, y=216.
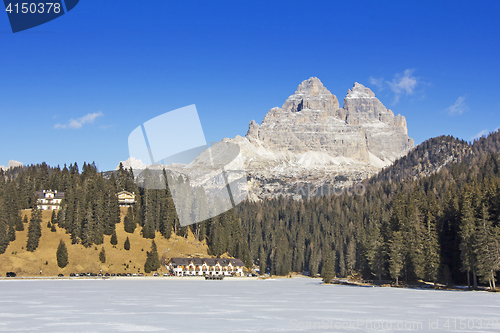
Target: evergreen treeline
x=410, y=224
x=426, y=158
x=90, y=209
x=443, y=227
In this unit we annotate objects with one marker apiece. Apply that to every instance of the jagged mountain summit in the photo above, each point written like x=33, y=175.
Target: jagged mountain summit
x=133, y=163
x=12, y=164
x=311, y=120
x=311, y=140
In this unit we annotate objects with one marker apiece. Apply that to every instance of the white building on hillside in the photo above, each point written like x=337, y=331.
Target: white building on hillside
x=126, y=198
x=48, y=199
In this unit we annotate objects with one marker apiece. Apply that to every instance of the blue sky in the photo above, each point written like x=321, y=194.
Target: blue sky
x=73, y=89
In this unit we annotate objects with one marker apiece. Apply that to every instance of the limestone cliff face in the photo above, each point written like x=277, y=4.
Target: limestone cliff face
x=311, y=120
x=310, y=142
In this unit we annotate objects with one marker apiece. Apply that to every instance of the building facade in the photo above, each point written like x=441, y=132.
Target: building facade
x=126, y=198
x=205, y=267
x=48, y=199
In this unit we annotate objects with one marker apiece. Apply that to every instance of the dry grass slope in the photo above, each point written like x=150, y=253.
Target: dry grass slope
x=83, y=260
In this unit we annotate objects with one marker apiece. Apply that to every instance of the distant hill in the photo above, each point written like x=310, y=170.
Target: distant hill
x=428, y=157
x=435, y=153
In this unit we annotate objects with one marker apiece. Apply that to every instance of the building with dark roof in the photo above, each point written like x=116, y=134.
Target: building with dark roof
x=48, y=199
x=205, y=267
x=126, y=198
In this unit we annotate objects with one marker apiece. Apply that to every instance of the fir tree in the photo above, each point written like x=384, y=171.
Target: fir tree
x=152, y=262
x=148, y=229
x=34, y=229
x=431, y=250
x=126, y=245
x=467, y=235
x=114, y=239
x=351, y=256
x=102, y=255
x=19, y=226
x=327, y=268
x=53, y=218
x=62, y=255
x=129, y=222
x=375, y=252
x=396, y=260
x=11, y=234
x=487, y=249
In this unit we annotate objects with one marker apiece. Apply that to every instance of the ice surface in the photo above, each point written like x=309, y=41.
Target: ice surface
x=238, y=305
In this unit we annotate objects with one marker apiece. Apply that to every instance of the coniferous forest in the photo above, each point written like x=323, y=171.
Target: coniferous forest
x=434, y=215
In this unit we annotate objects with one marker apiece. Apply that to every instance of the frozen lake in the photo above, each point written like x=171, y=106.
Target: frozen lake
x=238, y=305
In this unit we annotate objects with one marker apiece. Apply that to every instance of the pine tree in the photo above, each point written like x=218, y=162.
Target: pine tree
x=467, y=235
x=351, y=256
x=53, y=218
x=327, y=268
x=102, y=255
x=114, y=239
x=396, y=255
x=60, y=218
x=262, y=261
x=62, y=255
x=11, y=234
x=88, y=228
x=34, y=229
x=129, y=223
x=114, y=210
x=152, y=261
x=126, y=245
x=487, y=249
x=148, y=230
x=19, y=226
x=375, y=252
x=431, y=250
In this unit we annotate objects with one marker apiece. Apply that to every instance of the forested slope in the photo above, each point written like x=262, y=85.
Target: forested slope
x=438, y=227
x=433, y=215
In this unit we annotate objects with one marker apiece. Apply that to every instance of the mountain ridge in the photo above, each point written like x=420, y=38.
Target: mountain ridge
x=309, y=139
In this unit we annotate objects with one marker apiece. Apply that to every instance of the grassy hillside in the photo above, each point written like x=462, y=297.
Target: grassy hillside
x=82, y=260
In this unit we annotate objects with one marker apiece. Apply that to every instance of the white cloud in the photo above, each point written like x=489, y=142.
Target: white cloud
x=480, y=134
x=403, y=84
x=458, y=107
x=377, y=82
x=79, y=122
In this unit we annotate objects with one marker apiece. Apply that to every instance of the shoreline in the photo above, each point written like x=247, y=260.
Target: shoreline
x=419, y=285
x=344, y=282
x=190, y=278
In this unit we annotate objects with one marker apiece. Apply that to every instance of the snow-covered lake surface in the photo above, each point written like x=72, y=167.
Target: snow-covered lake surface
x=238, y=305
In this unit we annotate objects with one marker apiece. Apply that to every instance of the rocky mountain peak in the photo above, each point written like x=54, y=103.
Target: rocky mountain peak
x=359, y=91
x=361, y=106
x=253, y=130
x=133, y=163
x=311, y=95
x=312, y=86
x=12, y=164
x=310, y=139
x=311, y=120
